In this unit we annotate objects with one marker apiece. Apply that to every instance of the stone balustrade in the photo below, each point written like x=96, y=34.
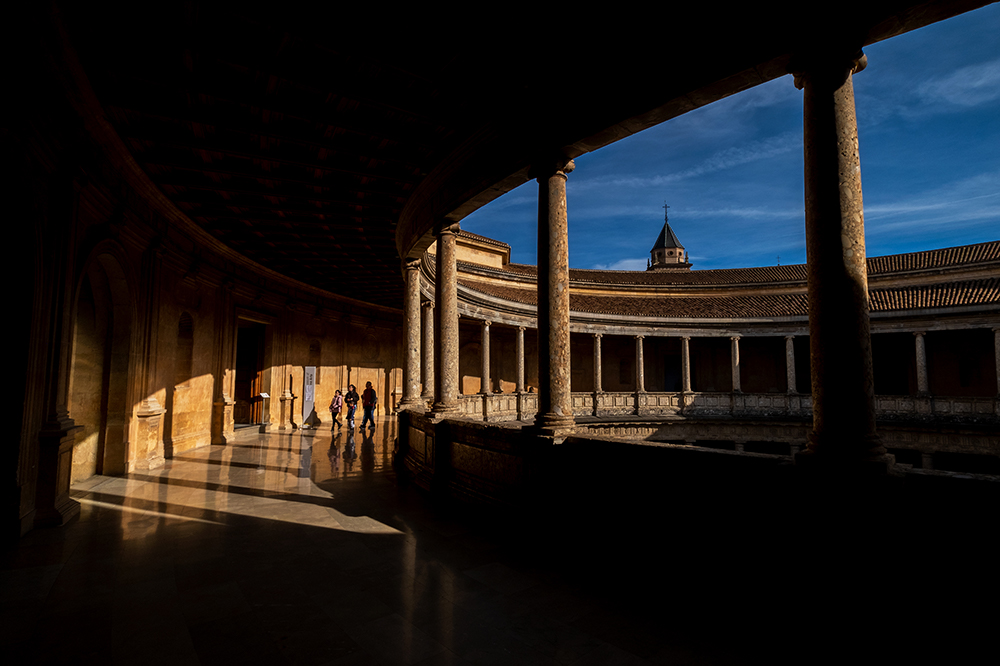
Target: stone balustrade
x=498, y=407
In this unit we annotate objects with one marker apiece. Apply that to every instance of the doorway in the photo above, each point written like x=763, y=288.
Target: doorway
x=251, y=385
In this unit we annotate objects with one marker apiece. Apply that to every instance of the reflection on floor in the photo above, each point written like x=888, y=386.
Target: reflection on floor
x=301, y=548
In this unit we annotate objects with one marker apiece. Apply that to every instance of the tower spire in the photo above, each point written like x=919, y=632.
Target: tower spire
x=667, y=252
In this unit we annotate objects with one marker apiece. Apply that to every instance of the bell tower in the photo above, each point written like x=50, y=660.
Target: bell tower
x=667, y=252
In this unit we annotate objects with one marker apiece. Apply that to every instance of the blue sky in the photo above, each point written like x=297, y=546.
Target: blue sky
x=928, y=108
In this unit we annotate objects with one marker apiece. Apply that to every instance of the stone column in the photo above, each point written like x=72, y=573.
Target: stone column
x=57, y=436
x=685, y=364
x=519, y=351
x=485, y=384
x=790, y=363
x=555, y=405
x=734, y=344
x=446, y=324
x=640, y=366
x=839, y=336
x=411, y=325
x=922, y=385
x=519, y=379
x=597, y=363
x=427, y=367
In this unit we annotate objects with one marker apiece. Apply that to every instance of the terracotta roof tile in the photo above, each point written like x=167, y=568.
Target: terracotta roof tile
x=930, y=259
x=975, y=292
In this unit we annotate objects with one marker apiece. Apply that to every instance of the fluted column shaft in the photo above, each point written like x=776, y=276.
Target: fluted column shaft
x=411, y=323
x=555, y=406
x=921, y=352
x=446, y=324
x=839, y=336
x=790, y=363
x=427, y=367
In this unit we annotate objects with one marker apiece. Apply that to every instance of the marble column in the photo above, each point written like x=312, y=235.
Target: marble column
x=597, y=363
x=640, y=366
x=839, y=335
x=555, y=406
x=734, y=344
x=411, y=325
x=485, y=384
x=790, y=363
x=427, y=367
x=446, y=324
x=922, y=385
x=685, y=364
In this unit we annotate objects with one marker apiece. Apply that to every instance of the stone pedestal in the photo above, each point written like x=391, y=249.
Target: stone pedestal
x=149, y=436
x=223, y=426
x=286, y=403
x=55, y=463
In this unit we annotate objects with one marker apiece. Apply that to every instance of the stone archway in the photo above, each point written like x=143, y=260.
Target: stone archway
x=99, y=394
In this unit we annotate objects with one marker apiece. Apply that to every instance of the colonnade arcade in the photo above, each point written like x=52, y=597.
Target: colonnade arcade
x=837, y=341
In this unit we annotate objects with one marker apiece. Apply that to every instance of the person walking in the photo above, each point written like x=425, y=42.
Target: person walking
x=335, y=406
x=351, y=400
x=368, y=401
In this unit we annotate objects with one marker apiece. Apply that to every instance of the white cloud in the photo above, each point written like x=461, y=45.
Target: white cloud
x=728, y=158
x=967, y=86
x=623, y=265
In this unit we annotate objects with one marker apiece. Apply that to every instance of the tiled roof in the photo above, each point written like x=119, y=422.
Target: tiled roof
x=949, y=294
x=482, y=239
x=930, y=259
x=975, y=292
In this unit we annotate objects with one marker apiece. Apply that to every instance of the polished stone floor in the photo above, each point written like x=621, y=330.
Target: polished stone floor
x=303, y=548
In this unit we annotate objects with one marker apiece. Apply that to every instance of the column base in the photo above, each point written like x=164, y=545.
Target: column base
x=874, y=464
x=411, y=404
x=53, y=505
x=554, y=425
x=441, y=410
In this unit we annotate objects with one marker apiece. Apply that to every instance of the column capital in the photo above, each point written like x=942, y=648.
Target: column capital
x=553, y=166
x=639, y=337
x=427, y=304
x=789, y=337
x=487, y=323
x=832, y=64
x=925, y=332
x=447, y=227
x=735, y=337
x=522, y=329
x=601, y=335
x=411, y=264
